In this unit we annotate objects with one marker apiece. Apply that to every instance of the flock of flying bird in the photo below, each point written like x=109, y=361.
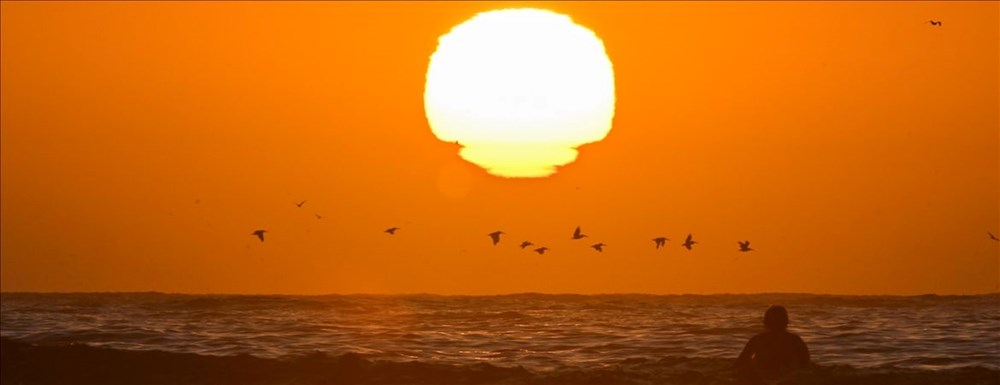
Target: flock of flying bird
x=577, y=235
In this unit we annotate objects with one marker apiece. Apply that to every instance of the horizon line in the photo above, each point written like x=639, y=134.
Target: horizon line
x=428, y=294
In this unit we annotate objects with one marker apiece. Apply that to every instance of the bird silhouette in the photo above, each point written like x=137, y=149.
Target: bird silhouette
x=526, y=244
x=688, y=242
x=660, y=241
x=392, y=230
x=541, y=250
x=318, y=216
x=495, y=236
x=935, y=22
x=577, y=234
x=259, y=234
x=599, y=247
x=300, y=204
x=993, y=237
x=744, y=246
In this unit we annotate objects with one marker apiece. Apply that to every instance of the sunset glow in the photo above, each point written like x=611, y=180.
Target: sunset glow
x=520, y=89
x=854, y=144
x=430, y=192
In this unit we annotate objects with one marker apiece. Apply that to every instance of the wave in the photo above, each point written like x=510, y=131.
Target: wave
x=26, y=363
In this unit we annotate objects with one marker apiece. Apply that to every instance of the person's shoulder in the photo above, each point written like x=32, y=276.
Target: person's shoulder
x=795, y=337
x=760, y=336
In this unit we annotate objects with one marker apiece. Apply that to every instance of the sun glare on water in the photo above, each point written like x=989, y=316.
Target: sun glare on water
x=519, y=90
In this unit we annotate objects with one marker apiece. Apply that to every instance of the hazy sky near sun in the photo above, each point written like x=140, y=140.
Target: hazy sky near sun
x=854, y=144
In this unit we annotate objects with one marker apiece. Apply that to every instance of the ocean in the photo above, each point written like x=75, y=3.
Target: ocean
x=509, y=339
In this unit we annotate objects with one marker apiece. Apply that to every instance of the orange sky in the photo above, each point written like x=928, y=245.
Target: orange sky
x=853, y=143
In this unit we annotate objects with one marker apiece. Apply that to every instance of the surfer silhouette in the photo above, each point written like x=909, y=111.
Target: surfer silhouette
x=772, y=357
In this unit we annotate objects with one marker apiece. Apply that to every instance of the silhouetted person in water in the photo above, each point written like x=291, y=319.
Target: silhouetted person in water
x=771, y=357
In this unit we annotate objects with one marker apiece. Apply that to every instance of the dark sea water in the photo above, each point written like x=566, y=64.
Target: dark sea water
x=523, y=338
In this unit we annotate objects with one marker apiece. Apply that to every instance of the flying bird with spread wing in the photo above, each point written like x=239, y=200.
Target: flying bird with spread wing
x=391, y=230
x=688, y=242
x=526, y=244
x=260, y=234
x=577, y=234
x=495, y=236
x=936, y=23
x=599, y=247
x=541, y=250
x=299, y=205
x=744, y=246
x=993, y=237
x=660, y=241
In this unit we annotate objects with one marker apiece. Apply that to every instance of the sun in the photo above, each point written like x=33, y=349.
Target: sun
x=520, y=90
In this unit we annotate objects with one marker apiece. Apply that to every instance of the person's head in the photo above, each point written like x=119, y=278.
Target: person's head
x=776, y=318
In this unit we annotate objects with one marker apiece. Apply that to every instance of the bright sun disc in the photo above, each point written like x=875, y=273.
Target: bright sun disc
x=520, y=89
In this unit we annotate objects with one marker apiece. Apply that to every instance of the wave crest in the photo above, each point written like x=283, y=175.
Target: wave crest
x=26, y=363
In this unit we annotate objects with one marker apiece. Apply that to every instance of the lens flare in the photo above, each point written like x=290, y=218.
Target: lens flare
x=520, y=90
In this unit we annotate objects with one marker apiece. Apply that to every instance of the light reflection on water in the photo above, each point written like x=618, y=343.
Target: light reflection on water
x=535, y=331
